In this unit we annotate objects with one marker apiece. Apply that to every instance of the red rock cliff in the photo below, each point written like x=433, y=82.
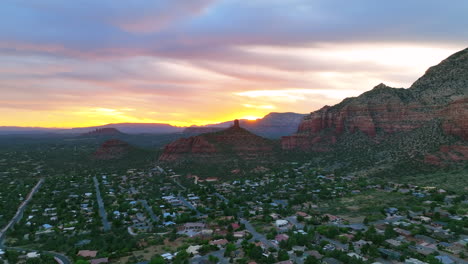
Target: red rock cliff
x=442, y=93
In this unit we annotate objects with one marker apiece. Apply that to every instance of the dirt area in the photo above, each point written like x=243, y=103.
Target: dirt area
x=353, y=220
x=148, y=252
x=353, y=208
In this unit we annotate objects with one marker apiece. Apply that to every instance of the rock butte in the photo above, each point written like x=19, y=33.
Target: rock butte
x=222, y=146
x=106, y=131
x=112, y=149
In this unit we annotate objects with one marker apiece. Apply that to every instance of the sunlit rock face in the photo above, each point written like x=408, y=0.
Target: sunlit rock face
x=441, y=95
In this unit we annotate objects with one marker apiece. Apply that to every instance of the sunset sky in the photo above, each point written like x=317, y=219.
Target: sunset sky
x=82, y=63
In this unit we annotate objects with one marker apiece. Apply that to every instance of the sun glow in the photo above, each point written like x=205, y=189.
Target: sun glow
x=249, y=117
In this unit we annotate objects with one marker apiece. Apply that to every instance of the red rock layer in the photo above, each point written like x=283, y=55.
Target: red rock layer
x=456, y=122
x=388, y=118
x=447, y=154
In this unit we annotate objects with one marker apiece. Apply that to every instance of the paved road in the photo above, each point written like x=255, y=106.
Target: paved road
x=221, y=197
x=256, y=235
x=20, y=211
x=389, y=220
x=149, y=210
x=190, y=206
x=102, y=210
x=62, y=258
x=334, y=242
x=178, y=183
x=442, y=253
x=293, y=220
x=352, y=226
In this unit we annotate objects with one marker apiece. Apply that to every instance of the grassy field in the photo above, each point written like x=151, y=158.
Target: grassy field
x=369, y=202
x=456, y=181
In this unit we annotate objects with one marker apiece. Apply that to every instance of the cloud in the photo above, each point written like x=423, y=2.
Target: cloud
x=259, y=106
x=210, y=60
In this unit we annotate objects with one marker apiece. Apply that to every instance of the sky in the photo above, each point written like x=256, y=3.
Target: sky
x=184, y=62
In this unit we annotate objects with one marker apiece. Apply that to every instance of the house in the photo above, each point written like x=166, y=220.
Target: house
x=194, y=226
x=193, y=249
x=414, y=261
x=298, y=248
x=331, y=261
x=100, y=260
x=402, y=232
x=393, y=242
x=239, y=234
x=33, y=255
x=219, y=242
x=280, y=223
x=285, y=262
x=391, y=211
x=304, y=215
x=357, y=256
x=313, y=253
x=275, y=216
x=169, y=223
x=167, y=256
x=425, y=239
x=87, y=253
x=360, y=243
x=422, y=250
x=445, y=259
x=166, y=214
x=329, y=247
x=281, y=237
x=390, y=253
x=332, y=218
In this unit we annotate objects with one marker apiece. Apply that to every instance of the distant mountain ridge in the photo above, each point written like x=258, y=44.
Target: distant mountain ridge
x=273, y=125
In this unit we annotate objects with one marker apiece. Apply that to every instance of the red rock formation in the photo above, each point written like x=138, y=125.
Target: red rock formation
x=112, y=149
x=234, y=142
x=442, y=94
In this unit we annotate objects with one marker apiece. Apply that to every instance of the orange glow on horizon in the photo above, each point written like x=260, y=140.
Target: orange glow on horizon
x=250, y=117
x=88, y=117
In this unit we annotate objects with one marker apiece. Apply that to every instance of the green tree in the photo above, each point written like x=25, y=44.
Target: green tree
x=157, y=259
x=283, y=255
x=311, y=260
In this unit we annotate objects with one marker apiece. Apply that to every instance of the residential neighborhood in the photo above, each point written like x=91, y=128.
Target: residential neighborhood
x=297, y=214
